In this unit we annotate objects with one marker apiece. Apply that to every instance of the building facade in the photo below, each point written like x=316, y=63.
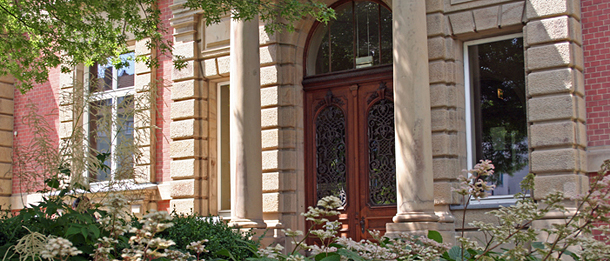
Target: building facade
x=383, y=107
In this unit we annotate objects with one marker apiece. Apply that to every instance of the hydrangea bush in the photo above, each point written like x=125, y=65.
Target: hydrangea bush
x=110, y=233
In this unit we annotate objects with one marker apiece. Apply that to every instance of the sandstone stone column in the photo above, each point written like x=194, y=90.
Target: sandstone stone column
x=414, y=175
x=246, y=159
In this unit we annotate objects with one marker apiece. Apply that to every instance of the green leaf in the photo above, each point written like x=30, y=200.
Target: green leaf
x=73, y=230
x=85, y=232
x=350, y=254
x=538, y=245
x=53, y=183
x=95, y=230
x=455, y=253
x=330, y=257
x=435, y=235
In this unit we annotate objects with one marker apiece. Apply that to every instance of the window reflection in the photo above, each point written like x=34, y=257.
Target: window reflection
x=499, y=105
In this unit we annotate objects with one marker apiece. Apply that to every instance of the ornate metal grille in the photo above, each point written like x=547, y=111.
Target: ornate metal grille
x=382, y=158
x=330, y=151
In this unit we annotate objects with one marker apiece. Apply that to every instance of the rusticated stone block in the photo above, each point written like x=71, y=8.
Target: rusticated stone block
x=555, y=55
x=512, y=14
x=556, y=108
x=188, y=188
x=553, y=134
x=443, y=120
x=571, y=185
x=185, y=149
x=446, y=168
x=486, y=18
x=555, y=160
x=185, y=90
x=444, y=144
x=549, y=8
x=6, y=122
x=437, y=24
x=562, y=80
x=187, y=168
x=186, y=109
x=278, y=117
x=462, y=22
x=185, y=129
x=554, y=29
x=279, y=160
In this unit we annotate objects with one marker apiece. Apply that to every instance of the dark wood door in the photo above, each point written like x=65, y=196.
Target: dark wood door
x=349, y=146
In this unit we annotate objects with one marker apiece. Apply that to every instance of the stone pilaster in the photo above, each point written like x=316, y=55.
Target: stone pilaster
x=556, y=109
x=189, y=114
x=246, y=156
x=414, y=172
x=6, y=139
x=444, y=93
x=145, y=102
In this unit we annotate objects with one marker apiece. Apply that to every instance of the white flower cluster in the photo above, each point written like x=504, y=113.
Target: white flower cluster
x=198, y=246
x=117, y=221
x=103, y=248
x=272, y=252
x=326, y=208
x=178, y=255
x=144, y=244
x=59, y=248
x=474, y=184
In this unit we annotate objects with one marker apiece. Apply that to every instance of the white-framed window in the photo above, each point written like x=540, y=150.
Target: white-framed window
x=496, y=119
x=109, y=119
x=224, y=148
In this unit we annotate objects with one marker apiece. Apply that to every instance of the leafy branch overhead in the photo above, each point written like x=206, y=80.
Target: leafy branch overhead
x=36, y=35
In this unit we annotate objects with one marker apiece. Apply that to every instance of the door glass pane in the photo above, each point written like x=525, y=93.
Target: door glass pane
x=382, y=159
x=386, y=35
x=322, y=59
x=330, y=154
x=342, y=38
x=367, y=34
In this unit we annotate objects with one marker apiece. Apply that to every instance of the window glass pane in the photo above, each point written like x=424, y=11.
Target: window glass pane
x=386, y=35
x=225, y=147
x=499, y=104
x=367, y=34
x=342, y=39
x=101, y=76
x=123, y=154
x=126, y=74
x=100, y=119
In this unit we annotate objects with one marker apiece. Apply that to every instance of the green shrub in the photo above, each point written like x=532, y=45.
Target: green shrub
x=191, y=228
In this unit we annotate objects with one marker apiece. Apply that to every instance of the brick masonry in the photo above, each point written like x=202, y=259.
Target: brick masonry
x=596, y=39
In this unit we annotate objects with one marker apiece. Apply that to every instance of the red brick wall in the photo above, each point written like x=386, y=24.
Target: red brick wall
x=596, y=43
x=164, y=78
x=44, y=97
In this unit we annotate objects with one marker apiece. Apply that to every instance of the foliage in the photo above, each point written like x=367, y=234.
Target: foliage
x=192, y=227
x=405, y=247
x=38, y=35
x=572, y=237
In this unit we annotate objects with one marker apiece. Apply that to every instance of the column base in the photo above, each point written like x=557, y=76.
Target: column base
x=415, y=217
x=248, y=223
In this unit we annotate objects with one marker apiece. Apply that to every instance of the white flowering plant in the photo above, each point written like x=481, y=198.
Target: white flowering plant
x=334, y=247
x=572, y=238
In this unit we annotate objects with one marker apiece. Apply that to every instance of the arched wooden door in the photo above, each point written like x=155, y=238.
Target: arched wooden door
x=349, y=146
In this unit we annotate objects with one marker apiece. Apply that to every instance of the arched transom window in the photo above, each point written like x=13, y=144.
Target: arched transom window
x=361, y=36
